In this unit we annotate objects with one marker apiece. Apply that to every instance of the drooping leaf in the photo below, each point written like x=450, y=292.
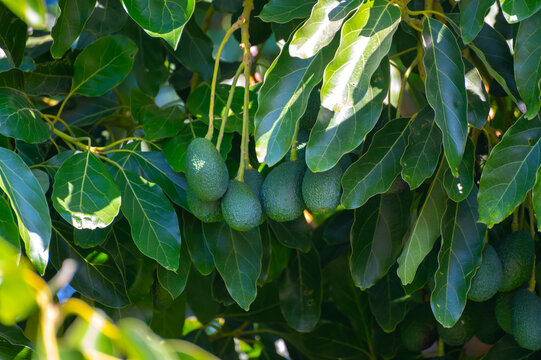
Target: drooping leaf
x=13, y=35
x=387, y=302
x=175, y=281
x=283, y=98
x=518, y=10
x=197, y=244
x=472, y=17
x=84, y=193
x=275, y=256
x=421, y=156
x=376, y=237
x=283, y=11
x=337, y=133
x=300, y=291
x=198, y=291
x=160, y=16
x=424, y=231
x=293, y=234
x=73, y=16
x=365, y=40
x=31, y=12
x=445, y=88
x=318, y=31
x=527, y=63
x=478, y=104
x=510, y=171
x=9, y=231
x=153, y=221
x=30, y=206
x=536, y=193
x=19, y=119
x=199, y=59
x=102, y=65
x=458, y=188
x=237, y=256
x=376, y=170
x=463, y=239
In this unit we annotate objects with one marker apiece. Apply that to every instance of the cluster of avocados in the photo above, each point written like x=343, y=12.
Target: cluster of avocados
x=283, y=195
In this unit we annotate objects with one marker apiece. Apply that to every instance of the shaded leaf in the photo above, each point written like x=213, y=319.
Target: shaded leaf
x=196, y=244
x=275, y=256
x=199, y=58
x=90, y=238
x=507, y=348
x=518, y=10
x=458, y=188
x=14, y=335
x=175, y=281
x=472, y=17
x=199, y=297
x=293, y=234
x=13, y=35
x=536, y=193
x=9, y=231
x=388, y=302
x=478, y=104
x=107, y=18
x=160, y=16
x=19, y=119
x=283, y=11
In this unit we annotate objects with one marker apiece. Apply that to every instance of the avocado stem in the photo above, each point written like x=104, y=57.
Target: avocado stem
x=228, y=106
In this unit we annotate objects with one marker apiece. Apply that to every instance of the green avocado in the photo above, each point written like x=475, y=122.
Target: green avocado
x=241, y=208
x=489, y=331
x=502, y=310
x=281, y=193
x=526, y=319
x=206, y=171
x=462, y=331
x=206, y=211
x=418, y=330
x=488, y=279
x=516, y=253
x=321, y=191
x=254, y=180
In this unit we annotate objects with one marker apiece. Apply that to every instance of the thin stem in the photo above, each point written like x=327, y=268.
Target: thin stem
x=118, y=142
x=532, y=233
x=294, y=155
x=228, y=105
x=441, y=347
x=403, y=85
x=403, y=52
x=427, y=13
x=63, y=104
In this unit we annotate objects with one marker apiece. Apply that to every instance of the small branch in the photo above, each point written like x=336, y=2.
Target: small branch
x=228, y=105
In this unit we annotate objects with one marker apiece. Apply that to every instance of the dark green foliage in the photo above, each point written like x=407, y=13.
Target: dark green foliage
x=206, y=211
x=254, y=180
x=418, y=331
x=489, y=331
x=462, y=331
x=282, y=192
x=526, y=319
x=516, y=252
x=502, y=310
x=321, y=191
x=241, y=208
x=488, y=278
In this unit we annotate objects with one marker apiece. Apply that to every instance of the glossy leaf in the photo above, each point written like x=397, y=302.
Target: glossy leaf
x=463, y=239
x=237, y=256
x=84, y=193
x=458, y=188
x=478, y=103
x=376, y=170
x=102, y=65
x=337, y=133
x=29, y=205
x=90, y=238
x=19, y=119
x=293, y=234
x=13, y=35
x=30, y=11
x=275, y=256
x=472, y=17
x=510, y=171
x=197, y=244
x=421, y=156
x=9, y=231
x=107, y=18
x=445, y=88
x=527, y=63
x=376, y=237
x=325, y=20
x=160, y=16
x=365, y=40
x=424, y=231
x=153, y=221
x=73, y=16
x=536, y=193
x=283, y=11
x=300, y=291
x=283, y=98
x=387, y=302
x=518, y=10
x=175, y=281
x=199, y=59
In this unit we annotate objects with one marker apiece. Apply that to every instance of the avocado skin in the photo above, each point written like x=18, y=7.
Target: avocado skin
x=281, y=193
x=488, y=279
x=461, y=332
x=206, y=171
x=502, y=310
x=321, y=191
x=516, y=253
x=418, y=330
x=241, y=208
x=206, y=211
x=526, y=319
x=254, y=180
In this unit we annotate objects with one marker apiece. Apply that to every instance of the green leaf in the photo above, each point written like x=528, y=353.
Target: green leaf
x=96, y=275
x=237, y=256
x=159, y=16
x=30, y=206
x=175, y=281
x=510, y=171
x=425, y=230
x=283, y=11
x=300, y=291
x=197, y=244
x=153, y=221
x=19, y=119
x=365, y=40
x=107, y=18
x=141, y=343
x=199, y=59
x=376, y=170
x=318, y=31
x=14, y=335
x=283, y=99
x=472, y=17
x=30, y=11
x=200, y=300
x=337, y=133
x=478, y=104
x=536, y=193
x=387, y=301
x=376, y=237
x=84, y=193
x=527, y=63
x=102, y=65
x=458, y=188
x=275, y=256
x=9, y=231
x=507, y=348
x=90, y=238
x=463, y=239
x=421, y=156
x=518, y=10
x=293, y=234
x=13, y=35
x=73, y=16
x=445, y=88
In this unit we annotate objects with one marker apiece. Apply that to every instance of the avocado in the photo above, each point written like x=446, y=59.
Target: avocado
x=462, y=331
x=321, y=191
x=516, y=252
x=206, y=211
x=526, y=319
x=206, y=171
x=254, y=180
x=281, y=193
x=418, y=330
x=488, y=331
x=502, y=310
x=241, y=208
x=488, y=279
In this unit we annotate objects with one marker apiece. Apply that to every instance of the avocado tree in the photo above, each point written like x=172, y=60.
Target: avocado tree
x=302, y=179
